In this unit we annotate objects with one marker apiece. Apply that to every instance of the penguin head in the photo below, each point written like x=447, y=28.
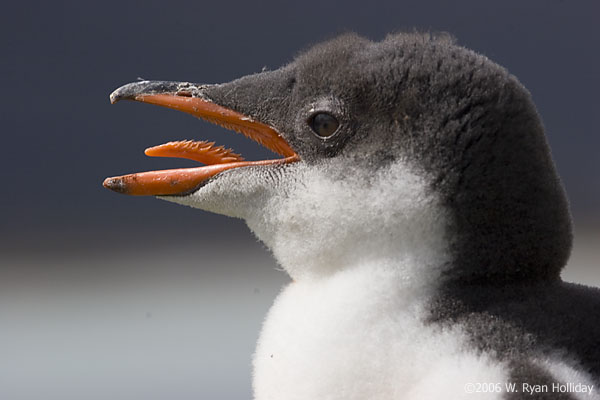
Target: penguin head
x=408, y=151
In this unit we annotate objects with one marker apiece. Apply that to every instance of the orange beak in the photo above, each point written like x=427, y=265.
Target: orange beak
x=217, y=159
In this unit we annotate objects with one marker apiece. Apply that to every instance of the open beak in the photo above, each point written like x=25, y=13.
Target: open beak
x=189, y=98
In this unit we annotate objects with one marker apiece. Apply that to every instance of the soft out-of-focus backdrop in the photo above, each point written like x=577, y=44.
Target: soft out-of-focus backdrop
x=106, y=296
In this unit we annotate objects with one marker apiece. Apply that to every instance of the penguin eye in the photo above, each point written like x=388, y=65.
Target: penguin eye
x=323, y=124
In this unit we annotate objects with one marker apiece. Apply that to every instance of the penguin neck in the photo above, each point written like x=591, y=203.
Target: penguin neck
x=371, y=288
x=405, y=268
x=388, y=224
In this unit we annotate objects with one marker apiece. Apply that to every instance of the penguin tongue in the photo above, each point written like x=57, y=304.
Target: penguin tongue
x=201, y=151
x=218, y=159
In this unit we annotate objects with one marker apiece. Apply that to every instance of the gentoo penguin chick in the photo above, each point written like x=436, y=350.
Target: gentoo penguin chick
x=416, y=208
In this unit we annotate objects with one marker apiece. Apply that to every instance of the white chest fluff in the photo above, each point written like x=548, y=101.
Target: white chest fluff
x=359, y=334
x=365, y=253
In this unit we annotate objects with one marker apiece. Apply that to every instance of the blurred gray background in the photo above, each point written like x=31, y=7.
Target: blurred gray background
x=107, y=296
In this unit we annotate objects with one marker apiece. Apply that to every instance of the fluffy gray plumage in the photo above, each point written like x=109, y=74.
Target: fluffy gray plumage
x=464, y=120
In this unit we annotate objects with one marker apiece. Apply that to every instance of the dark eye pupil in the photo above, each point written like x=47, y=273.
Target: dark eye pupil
x=324, y=125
